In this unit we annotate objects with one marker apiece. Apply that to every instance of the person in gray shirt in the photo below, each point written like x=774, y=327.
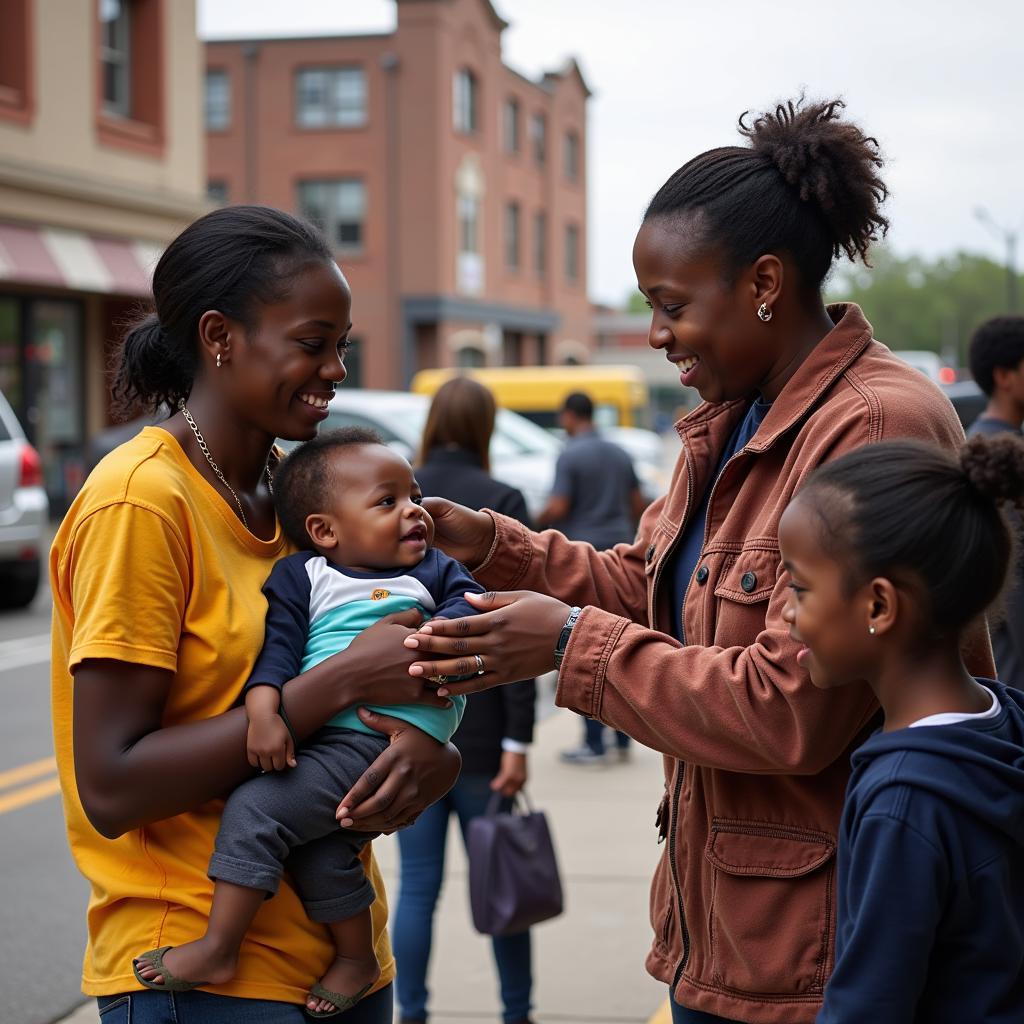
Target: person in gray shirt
x=595, y=498
x=997, y=366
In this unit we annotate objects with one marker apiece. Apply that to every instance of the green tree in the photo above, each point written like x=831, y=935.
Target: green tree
x=914, y=303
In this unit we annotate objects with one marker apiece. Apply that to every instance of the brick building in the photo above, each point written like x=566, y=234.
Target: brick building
x=101, y=164
x=453, y=188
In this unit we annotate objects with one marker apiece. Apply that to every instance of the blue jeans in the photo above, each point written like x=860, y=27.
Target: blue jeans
x=681, y=1015
x=197, y=1007
x=422, y=858
x=593, y=736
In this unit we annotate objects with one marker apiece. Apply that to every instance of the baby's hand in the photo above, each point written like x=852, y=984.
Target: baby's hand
x=269, y=743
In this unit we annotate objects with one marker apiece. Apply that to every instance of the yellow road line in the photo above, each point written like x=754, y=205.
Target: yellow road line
x=29, y=794
x=663, y=1016
x=27, y=771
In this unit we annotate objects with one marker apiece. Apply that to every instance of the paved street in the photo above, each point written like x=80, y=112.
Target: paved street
x=588, y=964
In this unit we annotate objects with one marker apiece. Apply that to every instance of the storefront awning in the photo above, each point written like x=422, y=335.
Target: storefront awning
x=60, y=258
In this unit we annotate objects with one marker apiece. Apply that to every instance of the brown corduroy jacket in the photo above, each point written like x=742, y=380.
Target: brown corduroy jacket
x=756, y=757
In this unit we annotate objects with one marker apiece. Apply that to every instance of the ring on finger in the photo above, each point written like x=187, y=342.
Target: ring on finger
x=440, y=679
x=479, y=665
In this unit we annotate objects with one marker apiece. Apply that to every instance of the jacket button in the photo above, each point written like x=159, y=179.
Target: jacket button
x=702, y=575
x=748, y=583
x=650, y=553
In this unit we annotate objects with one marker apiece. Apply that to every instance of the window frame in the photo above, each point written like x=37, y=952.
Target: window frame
x=465, y=101
x=511, y=114
x=225, y=105
x=332, y=109
x=571, y=146
x=332, y=223
x=513, y=235
x=572, y=253
x=539, y=138
x=122, y=108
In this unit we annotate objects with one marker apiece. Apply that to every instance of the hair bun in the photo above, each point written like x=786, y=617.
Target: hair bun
x=831, y=163
x=994, y=466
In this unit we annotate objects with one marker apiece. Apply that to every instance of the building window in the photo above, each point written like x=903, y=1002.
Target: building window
x=538, y=137
x=512, y=236
x=572, y=252
x=218, y=101
x=470, y=358
x=469, y=224
x=217, y=192
x=572, y=156
x=510, y=120
x=330, y=97
x=540, y=243
x=339, y=208
x=465, y=102
x=16, y=60
x=116, y=57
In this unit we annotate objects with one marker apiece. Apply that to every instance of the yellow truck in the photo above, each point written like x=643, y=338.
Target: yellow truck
x=619, y=393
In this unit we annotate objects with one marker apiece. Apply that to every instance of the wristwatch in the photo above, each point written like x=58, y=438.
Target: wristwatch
x=563, y=637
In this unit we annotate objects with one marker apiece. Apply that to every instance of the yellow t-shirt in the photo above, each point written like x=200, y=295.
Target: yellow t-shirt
x=151, y=566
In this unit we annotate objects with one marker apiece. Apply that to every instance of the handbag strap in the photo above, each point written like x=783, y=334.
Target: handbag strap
x=494, y=803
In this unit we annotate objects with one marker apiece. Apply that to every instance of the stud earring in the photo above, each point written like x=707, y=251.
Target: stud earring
x=218, y=360
x=871, y=630
x=764, y=312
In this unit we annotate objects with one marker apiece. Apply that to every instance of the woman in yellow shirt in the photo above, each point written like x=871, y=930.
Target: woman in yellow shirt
x=158, y=618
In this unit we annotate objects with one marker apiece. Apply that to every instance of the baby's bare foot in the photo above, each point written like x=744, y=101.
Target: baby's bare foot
x=204, y=961
x=346, y=977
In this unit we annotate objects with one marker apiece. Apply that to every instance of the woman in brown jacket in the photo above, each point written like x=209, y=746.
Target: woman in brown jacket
x=681, y=641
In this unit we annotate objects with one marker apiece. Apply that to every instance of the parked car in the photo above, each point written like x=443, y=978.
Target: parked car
x=522, y=454
x=24, y=513
x=929, y=363
x=968, y=400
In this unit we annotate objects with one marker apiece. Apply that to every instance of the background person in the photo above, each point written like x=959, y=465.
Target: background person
x=997, y=366
x=158, y=618
x=595, y=498
x=680, y=641
x=892, y=550
x=496, y=731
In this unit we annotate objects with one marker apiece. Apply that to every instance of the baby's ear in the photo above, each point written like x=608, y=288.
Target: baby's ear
x=321, y=531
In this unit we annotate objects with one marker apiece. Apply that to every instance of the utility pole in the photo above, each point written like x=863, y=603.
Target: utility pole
x=1009, y=238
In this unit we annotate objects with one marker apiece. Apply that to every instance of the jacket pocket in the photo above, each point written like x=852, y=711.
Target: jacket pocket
x=771, y=914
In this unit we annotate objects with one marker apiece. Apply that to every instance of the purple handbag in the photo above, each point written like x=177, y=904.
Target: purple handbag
x=513, y=873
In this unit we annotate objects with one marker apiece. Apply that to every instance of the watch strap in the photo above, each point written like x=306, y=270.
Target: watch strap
x=563, y=637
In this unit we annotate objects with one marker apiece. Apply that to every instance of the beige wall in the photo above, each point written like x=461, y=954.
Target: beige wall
x=56, y=171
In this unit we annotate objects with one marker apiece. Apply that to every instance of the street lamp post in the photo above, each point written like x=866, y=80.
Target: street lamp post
x=1009, y=238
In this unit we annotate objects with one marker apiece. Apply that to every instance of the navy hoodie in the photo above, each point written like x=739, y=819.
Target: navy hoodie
x=931, y=876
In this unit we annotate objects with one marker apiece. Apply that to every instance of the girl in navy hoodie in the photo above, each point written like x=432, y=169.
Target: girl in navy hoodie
x=893, y=550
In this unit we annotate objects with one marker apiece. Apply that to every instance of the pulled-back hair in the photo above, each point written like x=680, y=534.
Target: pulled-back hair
x=807, y=185
x=997, y=344
x=461, y=415
x=912, y=512
x=229, y=260
x=302, y=483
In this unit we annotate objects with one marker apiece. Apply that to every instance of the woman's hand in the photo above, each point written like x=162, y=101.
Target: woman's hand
x=460, y=532
x=378, y=663
x=414, y=772
x=515, y=637
x=511, y=775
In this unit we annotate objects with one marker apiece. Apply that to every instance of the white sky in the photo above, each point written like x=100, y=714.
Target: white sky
x=939, y=83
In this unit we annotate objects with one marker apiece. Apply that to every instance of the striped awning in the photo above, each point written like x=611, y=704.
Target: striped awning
x=60, y=258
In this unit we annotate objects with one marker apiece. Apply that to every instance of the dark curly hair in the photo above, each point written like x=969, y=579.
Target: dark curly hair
x=807, y=184
x=302, y=483
x=911, y=511
x=997, y=343
x=230, y=260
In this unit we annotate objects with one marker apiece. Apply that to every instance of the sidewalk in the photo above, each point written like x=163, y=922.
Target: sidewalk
x=588, y=964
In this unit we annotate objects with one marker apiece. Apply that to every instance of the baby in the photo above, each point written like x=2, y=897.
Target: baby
x=353, y=506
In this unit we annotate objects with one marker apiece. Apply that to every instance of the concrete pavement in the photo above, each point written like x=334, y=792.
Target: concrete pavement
x=588, y=964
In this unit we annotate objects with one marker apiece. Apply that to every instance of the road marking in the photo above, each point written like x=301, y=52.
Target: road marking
x=28, y=650
x=663, y=1016
x=29, y=794
x=27, y=771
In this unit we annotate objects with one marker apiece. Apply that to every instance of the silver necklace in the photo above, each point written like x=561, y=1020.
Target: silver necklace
x=201, y=441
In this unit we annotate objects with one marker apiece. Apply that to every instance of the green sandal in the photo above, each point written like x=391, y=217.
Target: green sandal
x=341, y=1002
x=155, y=959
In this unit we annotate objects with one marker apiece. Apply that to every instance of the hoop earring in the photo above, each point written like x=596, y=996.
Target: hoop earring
x=218, y=360
x=764, y=312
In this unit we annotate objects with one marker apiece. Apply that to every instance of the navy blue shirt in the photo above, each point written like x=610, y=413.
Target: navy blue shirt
x=687, y=553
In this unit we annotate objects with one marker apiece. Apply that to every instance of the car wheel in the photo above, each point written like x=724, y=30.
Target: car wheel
x=19, y=589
